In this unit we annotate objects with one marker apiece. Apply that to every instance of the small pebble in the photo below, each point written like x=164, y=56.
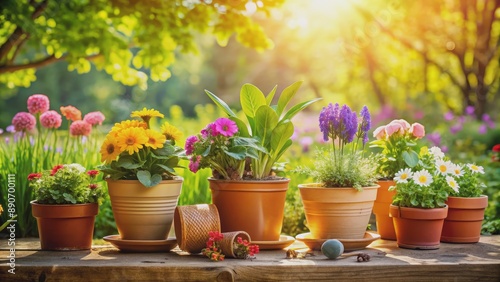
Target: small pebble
x=332, y=248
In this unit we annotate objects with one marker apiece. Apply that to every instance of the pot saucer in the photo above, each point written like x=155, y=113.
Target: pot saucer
x=144, y=246
x=282, y=243
x=349, y=244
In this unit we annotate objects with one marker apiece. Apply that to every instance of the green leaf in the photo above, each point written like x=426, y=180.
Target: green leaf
x=242, y=127
x=297, y=108
x=237, y=152
x=128, y=163
x=251, y=98
x=286, y=96
x=147, y=180
x=267, y=121
x=280, y=135
x=270, y=96
x=167, y=150
x=221, y=104
x=411, y=158
x=167, y=168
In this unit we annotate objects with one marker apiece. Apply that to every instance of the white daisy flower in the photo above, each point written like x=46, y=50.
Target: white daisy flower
x=476, y=168
x=436, y=152
x=456, y=170
x=453, y=183
x=403, y=175
x=77, y=167
x=443, y=167
x=422, y=178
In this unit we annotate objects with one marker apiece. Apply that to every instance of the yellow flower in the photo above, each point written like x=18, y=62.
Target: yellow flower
x=109, y=150
x=155, y=139
x=131, y=139
x=128, y=124
x=146, y=114
x=171, y=132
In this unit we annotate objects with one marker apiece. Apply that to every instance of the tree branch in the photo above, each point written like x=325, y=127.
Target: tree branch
x=40, y=63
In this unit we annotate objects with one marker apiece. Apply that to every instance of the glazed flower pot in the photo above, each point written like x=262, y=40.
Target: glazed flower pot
x=337, y=213
x=144, y=213
x=385, y=226
x=256, y=207
x=464, y=220
x=65, y=227
x=418, y=228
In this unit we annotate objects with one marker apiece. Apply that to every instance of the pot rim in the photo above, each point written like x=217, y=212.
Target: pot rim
x=318, y=185
x=177, y=179
x=35, y=202
x=283, y=180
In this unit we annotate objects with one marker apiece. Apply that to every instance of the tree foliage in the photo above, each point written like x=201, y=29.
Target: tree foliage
x=121, y=37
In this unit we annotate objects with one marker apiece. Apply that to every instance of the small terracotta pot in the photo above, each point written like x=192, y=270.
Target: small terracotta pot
x=65, y=227
x=385, y=226
x=144, y=213
x=256, y=207
x=227, y=243
x=464, y=220
x=418, y=228
x=337, y=213
x=192, y=224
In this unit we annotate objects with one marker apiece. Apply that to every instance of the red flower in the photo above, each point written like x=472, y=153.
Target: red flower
x=34, y=176
x=93, y=173
x=55, y=169
x=496, y=148
x=93, y=186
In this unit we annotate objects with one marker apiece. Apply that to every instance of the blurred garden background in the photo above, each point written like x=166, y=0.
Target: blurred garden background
x=435, y=62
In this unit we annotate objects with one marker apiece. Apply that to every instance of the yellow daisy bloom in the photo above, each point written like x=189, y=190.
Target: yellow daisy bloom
x=128, y=124
x=155, y=139
x=171, y=132
x=131, y=139
x=146, y=114
x=109, y=150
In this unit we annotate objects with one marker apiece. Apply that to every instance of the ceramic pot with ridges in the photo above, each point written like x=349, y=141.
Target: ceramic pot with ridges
x=256, y=207
x=464, y=220
x=144, y=213
x=418, y=228
x=337, y=213
x=384, y=224
x=65, y=227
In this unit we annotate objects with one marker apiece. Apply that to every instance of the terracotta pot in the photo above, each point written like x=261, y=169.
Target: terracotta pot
x=144, y=213
x=192, y=225
x=384, y=224
x=464, y=220
x=227, y=243
x=256, y=207
x=65, y=227
x=337, y=213
x=418, y=228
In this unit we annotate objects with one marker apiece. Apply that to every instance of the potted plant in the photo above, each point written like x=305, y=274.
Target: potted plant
x=398, y=141
x=339, y=205
x=139, y=170
x=66, y=202
x=419, y=206
x=466, y=205
x=251, y=196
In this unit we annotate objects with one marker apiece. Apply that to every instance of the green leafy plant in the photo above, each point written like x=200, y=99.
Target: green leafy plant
x=344, y=164
x=132, y=150
x=66, y=184
x=270, y=125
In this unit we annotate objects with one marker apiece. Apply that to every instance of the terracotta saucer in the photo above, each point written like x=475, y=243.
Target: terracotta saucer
x=283, y=242
x=349, y=244
x=144, y=246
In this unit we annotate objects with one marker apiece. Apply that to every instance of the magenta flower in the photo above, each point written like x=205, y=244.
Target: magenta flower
x=51, y=119
x=226, y=127
x=38, y=104
x=469, y=110
x=190, y=141
x=24, y=121
x=80, y=128
x=10, y=129
x=194, y=163
x=94, y=118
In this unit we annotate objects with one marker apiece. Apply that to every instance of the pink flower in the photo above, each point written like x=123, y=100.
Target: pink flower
x=190, y=141
x=417, y=130
x=71, y=113
x=24, y=121
x=51, y=119
x=80, y=128
x=38, y=104
x=393, y=127
x=194, y=164
x=94, y=118
x=379, y=132
x=226, y=127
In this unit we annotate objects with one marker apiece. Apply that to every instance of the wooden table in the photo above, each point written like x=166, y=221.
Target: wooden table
x=452, y=262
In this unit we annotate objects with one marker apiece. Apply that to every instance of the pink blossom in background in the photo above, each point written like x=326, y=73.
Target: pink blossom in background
x=94, y=118
x=393, y=127
x=449, y=116
x=1, y=131
x=24, y=121
x=38, y=104
x=469, y=110
x=419, y=115
x=444, y=149
x=80, y=128
x=71, y=113
x=379, y=132
x=417, y=130
x=487, y=119
x=483, y=129
x=434, y=138
x=306, y=142
x=455, y=128
x=10, y=129
x=51, y=119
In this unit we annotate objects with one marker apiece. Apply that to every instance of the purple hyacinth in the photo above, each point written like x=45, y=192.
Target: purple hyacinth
x=366, y=123
x=328, y=121
x=349, y=124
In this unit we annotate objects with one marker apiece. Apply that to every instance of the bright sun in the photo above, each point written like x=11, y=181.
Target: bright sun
x=312, y=13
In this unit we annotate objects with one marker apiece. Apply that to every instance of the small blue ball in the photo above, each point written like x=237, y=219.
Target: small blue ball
x=332, y=248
